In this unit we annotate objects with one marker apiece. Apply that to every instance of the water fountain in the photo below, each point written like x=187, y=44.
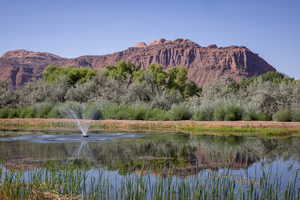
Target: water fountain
x=76, y=112
x=83, y=126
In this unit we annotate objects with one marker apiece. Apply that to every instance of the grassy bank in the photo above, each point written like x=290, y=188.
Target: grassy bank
x=253, y=128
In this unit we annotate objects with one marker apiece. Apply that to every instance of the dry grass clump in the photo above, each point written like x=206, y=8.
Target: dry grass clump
x=38, y=195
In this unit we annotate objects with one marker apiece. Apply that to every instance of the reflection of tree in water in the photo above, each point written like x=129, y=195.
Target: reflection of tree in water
x=167, y=151
x=201, y=152
x=286, y=149
x=269, y=145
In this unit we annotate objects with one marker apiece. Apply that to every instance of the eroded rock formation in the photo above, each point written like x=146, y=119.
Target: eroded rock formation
x=205, y=64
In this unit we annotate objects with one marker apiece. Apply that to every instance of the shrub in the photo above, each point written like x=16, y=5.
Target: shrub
x=4, y=112
x=110, y=111
x=119, y=112
x=296, y=116
x=54, y=113
x=284, y=115
x=233, y=113
x=228, y=113
x=72, y=110
x=93, y=112
x=27, y=112
x=156, y=114
x=219, y=113
x=140, y=112
x=263, y=117
x=42, y=110
x=203, y=114
x=179, y=112
x=253, y=116
x=14, y=113
x=126, y=112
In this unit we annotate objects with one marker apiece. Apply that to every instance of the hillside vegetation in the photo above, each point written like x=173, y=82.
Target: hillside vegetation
x=125, y=91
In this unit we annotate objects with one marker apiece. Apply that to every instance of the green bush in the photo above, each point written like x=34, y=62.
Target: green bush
x=219, y=114
x=14, y=113
x=27, y=112
x=206, y=114
x=92, y=112
x=156, y=114
x=4, y=112
x=296, y=116
x=42, y=110
x=233, y=113
x=230, y=116
x=54, y=113
x=125, y=113
x=72, y=109
x=284, y=115
x=111, y=111
x=228, y=113
x=179, y=112
x=253, y=116
x=119, y=112
x=135, y=112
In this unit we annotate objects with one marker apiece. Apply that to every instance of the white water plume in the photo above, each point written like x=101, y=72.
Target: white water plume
x=83, y=126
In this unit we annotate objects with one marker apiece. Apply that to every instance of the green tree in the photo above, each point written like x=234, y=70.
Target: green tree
x=154, y=76
x=178, y=81
x=73, y=75
x=122, y=71
x=8, y=96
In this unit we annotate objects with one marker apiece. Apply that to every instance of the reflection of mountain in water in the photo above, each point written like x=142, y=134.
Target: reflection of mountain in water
x=182, y=153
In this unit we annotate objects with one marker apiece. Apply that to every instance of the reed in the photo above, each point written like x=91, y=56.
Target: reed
x=81, y=184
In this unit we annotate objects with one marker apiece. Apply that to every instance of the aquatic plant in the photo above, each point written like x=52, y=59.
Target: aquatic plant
x=100, y=185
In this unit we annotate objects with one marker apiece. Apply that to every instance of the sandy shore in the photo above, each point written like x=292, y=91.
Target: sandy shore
x=237, y=124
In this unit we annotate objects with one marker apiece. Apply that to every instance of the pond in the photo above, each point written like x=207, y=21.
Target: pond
x=151, y=166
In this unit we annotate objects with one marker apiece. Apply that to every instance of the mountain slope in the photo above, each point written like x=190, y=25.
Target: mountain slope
x=205, y=64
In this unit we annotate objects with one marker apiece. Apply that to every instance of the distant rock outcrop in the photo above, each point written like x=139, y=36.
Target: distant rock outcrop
x=140, y=44
x=204, y=64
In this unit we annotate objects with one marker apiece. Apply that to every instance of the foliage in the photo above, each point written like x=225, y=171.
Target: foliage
x=228, y=113
x=296, y=116
x=69, y=183
x=7, y=96
x=204, y=114
x=274, y=77
x=253, y=116
x=138, y=93
x=178, y=80
x=72, y=74
x=179, y=112
x=5, y=112
x=133, y=112
x=284, y=115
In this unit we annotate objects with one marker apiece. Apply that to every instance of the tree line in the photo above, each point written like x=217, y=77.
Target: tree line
x=126, y=91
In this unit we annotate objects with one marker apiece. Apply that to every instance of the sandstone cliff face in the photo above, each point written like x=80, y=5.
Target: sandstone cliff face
x=205, y=64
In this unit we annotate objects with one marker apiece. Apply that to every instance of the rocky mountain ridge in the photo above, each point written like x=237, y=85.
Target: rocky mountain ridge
x=204, y=64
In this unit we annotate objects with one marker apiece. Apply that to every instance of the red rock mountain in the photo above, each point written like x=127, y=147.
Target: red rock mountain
x=205, y=64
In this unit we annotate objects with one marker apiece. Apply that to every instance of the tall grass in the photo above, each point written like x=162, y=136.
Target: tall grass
x=102, y=185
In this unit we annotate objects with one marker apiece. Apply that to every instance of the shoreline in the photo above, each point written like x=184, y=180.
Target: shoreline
x=251, y=128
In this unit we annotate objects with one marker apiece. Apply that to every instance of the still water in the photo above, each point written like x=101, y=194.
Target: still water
x=180, y=156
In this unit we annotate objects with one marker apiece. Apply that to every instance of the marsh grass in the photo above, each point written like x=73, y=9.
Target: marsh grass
x=192, y=127
x=239, y=131
x=76, y=183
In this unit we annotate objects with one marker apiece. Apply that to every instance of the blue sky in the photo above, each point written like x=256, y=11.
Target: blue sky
x=71, y=28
